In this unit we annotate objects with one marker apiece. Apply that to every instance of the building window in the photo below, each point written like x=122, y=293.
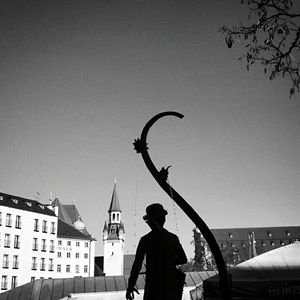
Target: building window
x=68, y=268
x=13, y=282
x=51, y=246
x=86, y=255
x=35, y=244
x=52, y=228
x=0, y=218
x=50, y=264
x=117, y=217
x=15, y=262
x=33, y=264
x=17, y=242
x=68, y=243
x=44, y=226
x=7, y=240
x=8, y=220
x=44, y=246
x=85, y=269
x=36, y=226
x=77, y=269
x=4, y=282
x=68, y=254
x=32, y=278
x=113, y=216
x=269, y=234
x=58, y=268
x=42, y=265
x=287, y=233
x=86, y=244
x=59, y=243
x=272, y=243
x=18, y=222
x=77, y=255
x=77, y=244
x=58, y=254
x=5, y=264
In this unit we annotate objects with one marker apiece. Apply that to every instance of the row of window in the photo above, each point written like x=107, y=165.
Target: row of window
x=6, y=262
x=35, y=245
x=34, y=264
x=69, y=243
x=18, y=223
x=9, y=220
x=36, y=226
x=7, y=241
x=68, y=269
x=262, y=243
x=68, y=255
x=4, y=282
x=269, y=234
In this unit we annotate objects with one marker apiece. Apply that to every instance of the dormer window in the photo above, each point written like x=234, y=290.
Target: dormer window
x=1, y=197
x=269, y=234
x=287, y=233
x=15, y=201
x=230, y=235
x=29, y=204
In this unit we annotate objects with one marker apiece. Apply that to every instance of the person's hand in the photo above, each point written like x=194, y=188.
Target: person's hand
x=130, y=293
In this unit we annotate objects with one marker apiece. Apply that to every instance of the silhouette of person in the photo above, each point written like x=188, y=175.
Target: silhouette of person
x=163, y=252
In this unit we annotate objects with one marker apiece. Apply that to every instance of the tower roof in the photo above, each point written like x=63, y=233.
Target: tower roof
x=114, y=204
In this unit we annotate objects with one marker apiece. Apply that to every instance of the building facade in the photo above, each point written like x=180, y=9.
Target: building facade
x=240, y=244
x=114, y=239
x=42, y=241
x=28, y=232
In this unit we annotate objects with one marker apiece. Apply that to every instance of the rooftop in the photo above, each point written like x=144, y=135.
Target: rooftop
x=24, y=204
x=56, y=289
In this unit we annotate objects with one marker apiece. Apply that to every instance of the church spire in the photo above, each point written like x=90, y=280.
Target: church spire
x=114, y=204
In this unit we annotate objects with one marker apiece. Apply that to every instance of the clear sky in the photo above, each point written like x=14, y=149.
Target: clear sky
x=79, y=80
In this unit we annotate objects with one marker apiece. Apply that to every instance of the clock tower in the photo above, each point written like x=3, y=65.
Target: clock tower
x=114, y=238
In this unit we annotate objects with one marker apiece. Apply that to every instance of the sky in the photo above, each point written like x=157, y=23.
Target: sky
x=80, y=79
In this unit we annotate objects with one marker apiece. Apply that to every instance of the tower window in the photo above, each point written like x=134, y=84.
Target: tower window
x=113, y=216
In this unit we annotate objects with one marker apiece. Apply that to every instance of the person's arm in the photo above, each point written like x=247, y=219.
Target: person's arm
x=136, y=267
x=180, y=258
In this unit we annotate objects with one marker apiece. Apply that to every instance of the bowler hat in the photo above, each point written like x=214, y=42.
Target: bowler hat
x=154, y=210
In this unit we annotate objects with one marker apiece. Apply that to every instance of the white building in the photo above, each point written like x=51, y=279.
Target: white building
x=42, y=241
x=114, y=239
x=75, y=246
x=27, y=241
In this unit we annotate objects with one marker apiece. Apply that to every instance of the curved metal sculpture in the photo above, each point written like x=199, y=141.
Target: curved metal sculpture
x=140, y=145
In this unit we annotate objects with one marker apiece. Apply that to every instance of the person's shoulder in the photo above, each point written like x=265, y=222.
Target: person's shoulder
x=170, y=234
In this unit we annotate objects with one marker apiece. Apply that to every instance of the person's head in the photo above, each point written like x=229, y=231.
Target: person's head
x=155, y=215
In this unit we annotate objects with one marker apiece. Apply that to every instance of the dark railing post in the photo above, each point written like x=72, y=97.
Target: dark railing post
x=161, y=177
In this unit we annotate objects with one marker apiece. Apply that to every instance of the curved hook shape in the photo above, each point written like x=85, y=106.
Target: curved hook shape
x=161, y=177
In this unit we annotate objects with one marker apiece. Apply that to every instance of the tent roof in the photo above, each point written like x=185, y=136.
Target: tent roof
x=54, y=289
x=286, y=257
x=274, y=274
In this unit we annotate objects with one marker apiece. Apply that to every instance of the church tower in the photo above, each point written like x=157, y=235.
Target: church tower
x=114, y=238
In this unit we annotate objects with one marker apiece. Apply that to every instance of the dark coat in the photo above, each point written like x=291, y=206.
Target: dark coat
x=163, y=252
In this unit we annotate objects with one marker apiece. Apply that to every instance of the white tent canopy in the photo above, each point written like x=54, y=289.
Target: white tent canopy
x=272, y=275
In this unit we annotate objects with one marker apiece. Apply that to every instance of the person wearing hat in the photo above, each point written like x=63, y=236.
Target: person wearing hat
x=164, y=253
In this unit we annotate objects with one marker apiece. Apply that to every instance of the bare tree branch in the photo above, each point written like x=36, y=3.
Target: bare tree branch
x=272, y=38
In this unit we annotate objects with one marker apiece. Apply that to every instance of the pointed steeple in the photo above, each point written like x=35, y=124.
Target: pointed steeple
x=114, y=204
